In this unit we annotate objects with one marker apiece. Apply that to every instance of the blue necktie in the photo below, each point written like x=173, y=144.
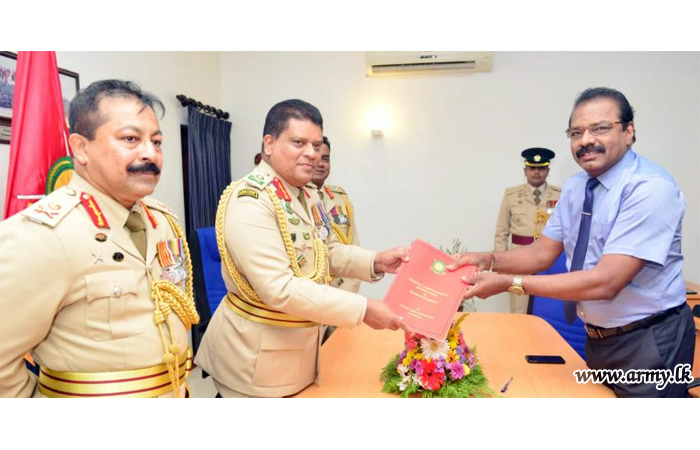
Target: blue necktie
x=584, y=232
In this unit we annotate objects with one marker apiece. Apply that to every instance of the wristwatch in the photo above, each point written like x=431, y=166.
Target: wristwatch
x=517, y=286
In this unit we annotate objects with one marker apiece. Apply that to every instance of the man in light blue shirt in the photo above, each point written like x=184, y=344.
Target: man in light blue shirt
x=619, y=224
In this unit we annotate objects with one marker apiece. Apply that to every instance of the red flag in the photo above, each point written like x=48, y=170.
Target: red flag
x=39, y=130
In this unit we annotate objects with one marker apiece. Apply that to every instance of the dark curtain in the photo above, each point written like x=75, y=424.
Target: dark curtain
x=209, y=166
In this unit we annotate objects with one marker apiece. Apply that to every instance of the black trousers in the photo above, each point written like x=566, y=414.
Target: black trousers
x=663, y=345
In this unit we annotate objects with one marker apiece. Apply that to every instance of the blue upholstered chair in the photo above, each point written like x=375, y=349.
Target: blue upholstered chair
x=552, y=310
x=211, y=265
x=209, y=287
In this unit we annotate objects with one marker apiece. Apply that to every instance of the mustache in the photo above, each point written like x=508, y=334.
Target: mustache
x=144, y=168
x=590, y=148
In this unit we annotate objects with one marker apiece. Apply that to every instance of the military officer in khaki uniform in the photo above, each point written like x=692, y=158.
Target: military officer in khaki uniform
x=279, y=254
x=525, y=210
x=95, y=277
x=342, y=217
x=341, y=211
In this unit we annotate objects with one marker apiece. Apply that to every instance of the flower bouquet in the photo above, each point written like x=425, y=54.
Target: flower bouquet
x=434, y=368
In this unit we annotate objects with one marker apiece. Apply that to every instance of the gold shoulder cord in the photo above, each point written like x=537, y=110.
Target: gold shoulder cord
x=167, y=296
x=320, y=274
x=342, y=237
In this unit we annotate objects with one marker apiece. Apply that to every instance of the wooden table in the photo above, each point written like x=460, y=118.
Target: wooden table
x=352, y=359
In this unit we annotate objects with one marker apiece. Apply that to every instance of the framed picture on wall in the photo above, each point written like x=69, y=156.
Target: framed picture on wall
x=70, y=84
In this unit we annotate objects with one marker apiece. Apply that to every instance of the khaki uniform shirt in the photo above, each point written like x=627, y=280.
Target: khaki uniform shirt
x=342, y=215
x=66, y=298
x=258, y=359
x=519, y=215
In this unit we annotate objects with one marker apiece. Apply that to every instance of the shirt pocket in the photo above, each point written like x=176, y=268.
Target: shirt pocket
x=598, y=236
x=518, y=215
x=113, y=309
x=279, y=361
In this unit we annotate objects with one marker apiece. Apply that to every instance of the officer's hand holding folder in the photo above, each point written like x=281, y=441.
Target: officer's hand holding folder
x=425, y=294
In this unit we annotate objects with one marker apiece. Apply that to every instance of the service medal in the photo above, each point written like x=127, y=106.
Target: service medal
x=172, y=261
x=323, y=233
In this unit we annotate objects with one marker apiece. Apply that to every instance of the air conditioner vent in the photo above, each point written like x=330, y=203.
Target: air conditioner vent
x=396, y=63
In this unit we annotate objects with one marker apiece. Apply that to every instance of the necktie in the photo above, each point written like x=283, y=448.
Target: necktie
x=137, y=227
x=581, y=243
x=537, y=196
x=302, y=200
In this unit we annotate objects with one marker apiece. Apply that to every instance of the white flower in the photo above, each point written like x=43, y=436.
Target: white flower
x=403, y=370
x=404, y=382
x=434, y=349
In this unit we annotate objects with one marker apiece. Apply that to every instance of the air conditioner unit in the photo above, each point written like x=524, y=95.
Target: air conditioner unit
x=397, y=63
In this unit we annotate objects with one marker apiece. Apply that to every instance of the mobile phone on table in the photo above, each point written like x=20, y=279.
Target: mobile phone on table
x=544, y=359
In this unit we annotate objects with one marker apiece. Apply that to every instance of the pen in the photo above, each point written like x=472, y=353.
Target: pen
x=505, y=386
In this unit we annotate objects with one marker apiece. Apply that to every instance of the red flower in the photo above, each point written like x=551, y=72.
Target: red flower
x=410, y=340
x=431, y=379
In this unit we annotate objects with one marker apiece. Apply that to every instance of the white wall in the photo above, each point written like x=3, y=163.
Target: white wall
x=454, y=141
x=165, y=74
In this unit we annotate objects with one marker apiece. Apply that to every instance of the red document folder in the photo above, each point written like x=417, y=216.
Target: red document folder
x=424, y=293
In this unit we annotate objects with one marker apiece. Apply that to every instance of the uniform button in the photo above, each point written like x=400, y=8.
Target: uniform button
x=118, y=256
x=117, y=291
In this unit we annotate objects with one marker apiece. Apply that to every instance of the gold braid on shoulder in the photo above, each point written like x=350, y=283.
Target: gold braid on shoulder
x=345, y=238
x=320, y=273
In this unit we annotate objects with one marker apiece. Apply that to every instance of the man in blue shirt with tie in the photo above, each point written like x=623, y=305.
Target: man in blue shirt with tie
x=619, y=223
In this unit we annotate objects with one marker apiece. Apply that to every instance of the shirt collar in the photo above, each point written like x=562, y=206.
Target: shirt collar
x=608, y=178
x=542, y=188
x=265, y=169
x=114, y=210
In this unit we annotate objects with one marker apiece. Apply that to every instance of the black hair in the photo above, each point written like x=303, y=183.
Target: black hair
x=85, y=117
x=327, y=142
x=626, y=110
x=278, y=117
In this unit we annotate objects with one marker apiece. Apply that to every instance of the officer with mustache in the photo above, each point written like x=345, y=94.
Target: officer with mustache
x=619, y=223
x=95, y=278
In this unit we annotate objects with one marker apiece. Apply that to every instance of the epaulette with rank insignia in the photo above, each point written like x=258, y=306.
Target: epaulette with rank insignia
x=555, y=188
x=336, y=189
x=515, y=189
x=258, y=180
x=158, y=206
x=51, y=209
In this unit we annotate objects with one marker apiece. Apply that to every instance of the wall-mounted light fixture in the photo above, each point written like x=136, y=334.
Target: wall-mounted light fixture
x=377, y=122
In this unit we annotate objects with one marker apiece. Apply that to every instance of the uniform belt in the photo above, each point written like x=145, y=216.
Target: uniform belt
x=264, y=314
x=142, y=383
x=596, y=332
x=522, y=240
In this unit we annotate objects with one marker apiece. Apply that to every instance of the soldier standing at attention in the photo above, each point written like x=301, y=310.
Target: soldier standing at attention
x=342, y=214
x=525, y=210
x=96, y=278
x=279, y=254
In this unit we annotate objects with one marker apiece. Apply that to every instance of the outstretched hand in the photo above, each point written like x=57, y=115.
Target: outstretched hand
x=390, y=260
x=379, y=316
x=486, y=284
x=480, y=260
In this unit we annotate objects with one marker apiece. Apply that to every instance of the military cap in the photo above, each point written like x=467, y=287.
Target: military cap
x=537, y=157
